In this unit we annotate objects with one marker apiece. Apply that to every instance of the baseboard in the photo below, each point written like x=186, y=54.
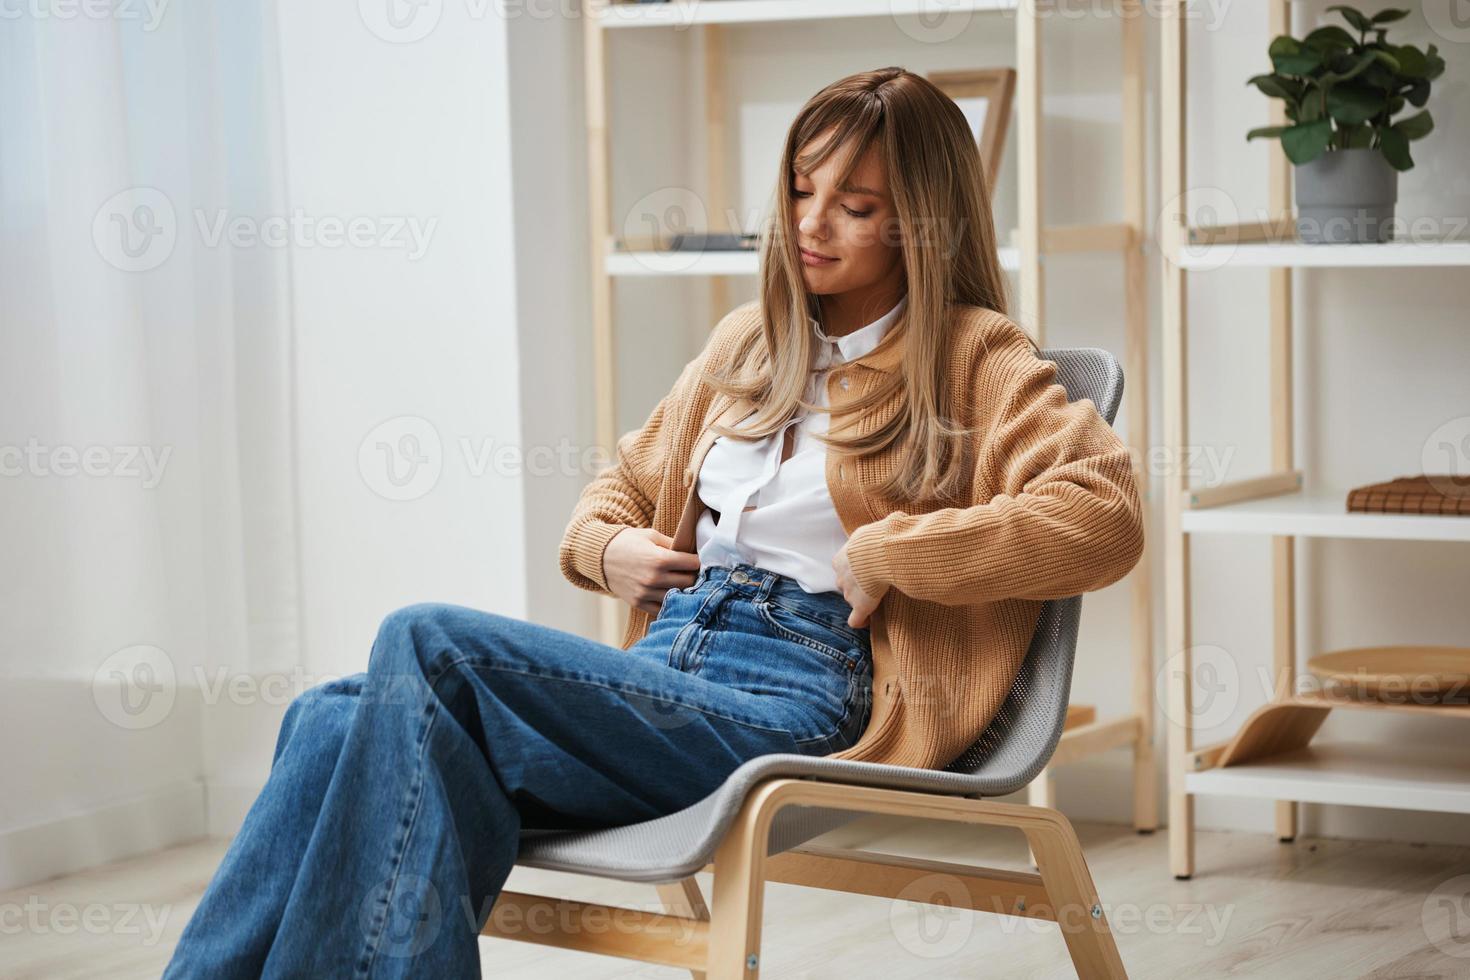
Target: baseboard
x=163, y=818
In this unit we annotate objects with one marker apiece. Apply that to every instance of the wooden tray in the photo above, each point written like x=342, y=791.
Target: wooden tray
x=1396, y=671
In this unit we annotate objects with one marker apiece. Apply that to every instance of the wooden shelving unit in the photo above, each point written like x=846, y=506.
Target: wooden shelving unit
x=1024, y=254
x=1273, y=755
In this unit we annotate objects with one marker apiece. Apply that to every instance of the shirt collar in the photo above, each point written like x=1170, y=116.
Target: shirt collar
x=860, y=342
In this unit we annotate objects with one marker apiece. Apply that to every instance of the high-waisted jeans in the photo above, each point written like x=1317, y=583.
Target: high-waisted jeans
x=396, y=796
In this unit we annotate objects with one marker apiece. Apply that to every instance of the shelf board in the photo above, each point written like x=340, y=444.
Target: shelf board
x=682, y=13
x=718, y=263
x=1396, y=776
x=1319, y=515
x=1285, y=255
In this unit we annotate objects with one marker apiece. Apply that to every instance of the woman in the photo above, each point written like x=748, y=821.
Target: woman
x=834, y=533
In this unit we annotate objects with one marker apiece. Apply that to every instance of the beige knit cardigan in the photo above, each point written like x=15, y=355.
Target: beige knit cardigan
x=1054, y=512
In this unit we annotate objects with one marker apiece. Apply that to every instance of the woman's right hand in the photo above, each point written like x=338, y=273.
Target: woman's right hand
x=640, y=565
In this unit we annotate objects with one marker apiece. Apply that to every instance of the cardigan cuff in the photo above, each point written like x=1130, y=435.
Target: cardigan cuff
x=586, y=543
x=868, y=560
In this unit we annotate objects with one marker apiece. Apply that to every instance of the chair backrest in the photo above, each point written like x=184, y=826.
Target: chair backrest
x=1021, y=737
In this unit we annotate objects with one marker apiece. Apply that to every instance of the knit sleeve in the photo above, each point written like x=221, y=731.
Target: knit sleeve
x=624, y=494
x=1065, y=520
x=620, y=496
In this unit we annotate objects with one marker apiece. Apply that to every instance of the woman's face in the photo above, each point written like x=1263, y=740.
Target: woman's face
x=848, y=236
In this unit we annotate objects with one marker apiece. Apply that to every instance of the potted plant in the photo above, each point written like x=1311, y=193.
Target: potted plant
x=1342, y=92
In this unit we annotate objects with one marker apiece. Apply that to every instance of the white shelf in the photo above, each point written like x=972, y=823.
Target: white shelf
x=1286, y=255
x=672, y=263
x=683, y=13
x=1396, y=776
x=718, y=263
x=1319, y=515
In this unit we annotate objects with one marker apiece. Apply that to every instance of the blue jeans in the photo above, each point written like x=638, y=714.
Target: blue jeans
x=391, y=817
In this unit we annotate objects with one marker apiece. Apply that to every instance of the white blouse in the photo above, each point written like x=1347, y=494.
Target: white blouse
x=778, y=515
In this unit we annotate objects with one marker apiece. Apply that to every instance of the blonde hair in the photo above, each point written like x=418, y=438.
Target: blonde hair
x=947, y=236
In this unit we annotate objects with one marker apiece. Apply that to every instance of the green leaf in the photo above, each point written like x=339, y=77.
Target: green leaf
x=1352, y=16
x=1350, y=69
x=1389, y=16
x=1413, y=63
x=1305, y=142
x=1435, y=68
x=1329, y=37
x=1417, y=126
x=1290, y=58
x=1277, y=87
x=1355, y=137
x=1395, y=147
x=1386, y=60
x=1265, y=131
x=1419, y=94
x=1351, y=104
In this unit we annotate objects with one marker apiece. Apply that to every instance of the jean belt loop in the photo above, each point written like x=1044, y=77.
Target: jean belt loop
x=768, y=582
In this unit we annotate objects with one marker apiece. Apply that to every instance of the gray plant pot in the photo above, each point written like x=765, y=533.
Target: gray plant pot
x=1346, y=197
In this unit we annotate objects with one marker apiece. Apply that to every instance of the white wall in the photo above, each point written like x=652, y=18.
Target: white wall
x=399, y=351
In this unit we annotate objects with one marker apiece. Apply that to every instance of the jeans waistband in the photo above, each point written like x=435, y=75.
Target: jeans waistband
x=762, y=583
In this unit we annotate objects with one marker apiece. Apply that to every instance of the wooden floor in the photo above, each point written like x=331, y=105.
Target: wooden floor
x=1256, y=908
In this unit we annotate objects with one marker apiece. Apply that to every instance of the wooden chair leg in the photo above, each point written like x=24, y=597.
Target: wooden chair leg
x=739, y=893
x=684, y=898
x=1041, y=791
x=740, y=868
x=1074, y=899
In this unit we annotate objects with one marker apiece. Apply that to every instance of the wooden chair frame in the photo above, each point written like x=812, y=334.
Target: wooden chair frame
x=723, y=943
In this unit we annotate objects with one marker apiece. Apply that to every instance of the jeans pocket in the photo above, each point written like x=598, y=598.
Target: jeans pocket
x=842, y=643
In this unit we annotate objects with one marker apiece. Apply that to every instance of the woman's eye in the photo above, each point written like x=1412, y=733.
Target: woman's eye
x=855, y=214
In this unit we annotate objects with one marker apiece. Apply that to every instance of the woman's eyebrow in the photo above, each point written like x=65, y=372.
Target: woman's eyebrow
x=852, y=189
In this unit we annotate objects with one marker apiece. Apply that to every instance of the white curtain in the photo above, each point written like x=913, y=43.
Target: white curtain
x=146, y=436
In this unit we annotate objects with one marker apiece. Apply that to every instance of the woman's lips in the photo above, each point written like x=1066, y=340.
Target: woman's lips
x=813, y=258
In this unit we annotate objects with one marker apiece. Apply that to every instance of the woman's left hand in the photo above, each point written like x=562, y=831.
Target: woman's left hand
x=862, y=604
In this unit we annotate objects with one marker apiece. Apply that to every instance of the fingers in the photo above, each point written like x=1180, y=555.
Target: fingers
x=675, y=580
x=660, y=539
x=680, y=561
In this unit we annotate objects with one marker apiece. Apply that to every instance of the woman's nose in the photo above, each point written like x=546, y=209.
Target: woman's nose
x=813, y=223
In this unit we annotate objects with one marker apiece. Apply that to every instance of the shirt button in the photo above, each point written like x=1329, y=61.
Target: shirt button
x=688, y=478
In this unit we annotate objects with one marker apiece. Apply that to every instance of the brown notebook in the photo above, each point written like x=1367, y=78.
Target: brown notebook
x=1445, y=495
